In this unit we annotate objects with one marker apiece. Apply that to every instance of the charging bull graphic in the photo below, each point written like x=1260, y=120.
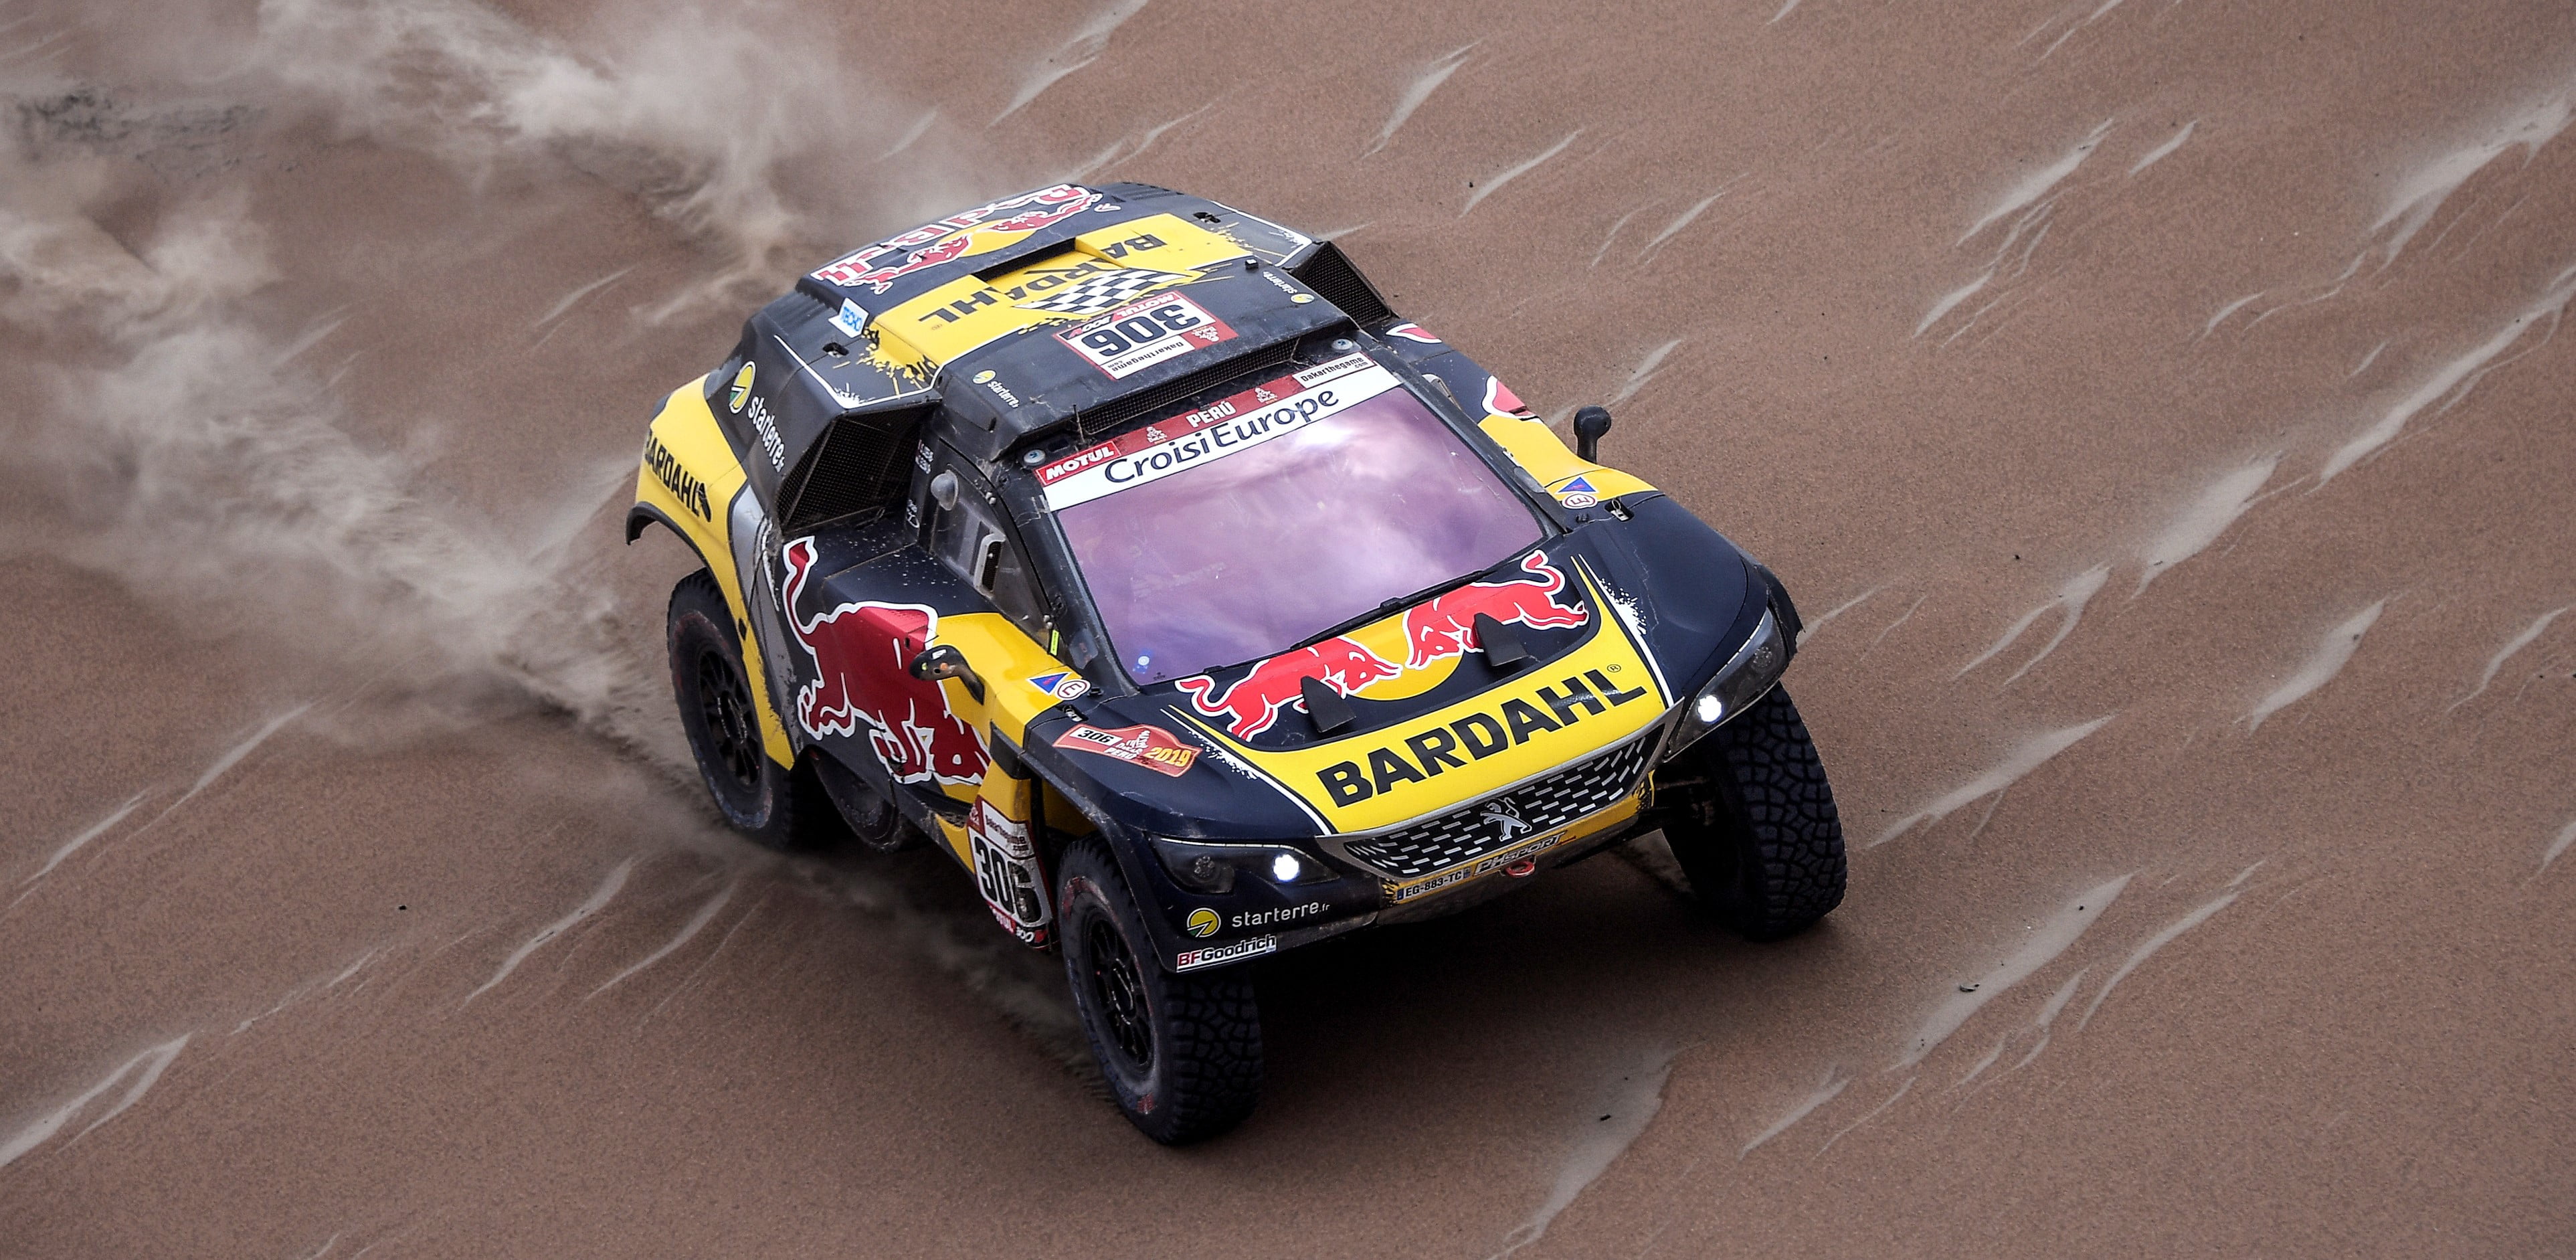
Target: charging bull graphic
x=860, y=653
x=956, y=235
x=1444, y=627
x=1254, y=701
x=1434, y=630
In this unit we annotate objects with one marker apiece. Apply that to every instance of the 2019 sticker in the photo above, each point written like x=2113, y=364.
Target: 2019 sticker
x=1152, y=747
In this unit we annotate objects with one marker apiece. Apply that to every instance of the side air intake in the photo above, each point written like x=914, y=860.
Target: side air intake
x=854, y=474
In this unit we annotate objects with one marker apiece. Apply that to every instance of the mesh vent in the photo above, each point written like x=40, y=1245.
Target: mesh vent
x=1501, y=821
x=856, y=473
x=1335, y=280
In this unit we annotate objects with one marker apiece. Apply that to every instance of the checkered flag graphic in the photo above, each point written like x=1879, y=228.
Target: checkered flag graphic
x=1101, y=293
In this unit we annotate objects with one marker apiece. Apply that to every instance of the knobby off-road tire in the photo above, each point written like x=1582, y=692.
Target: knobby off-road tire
x=1758, y=834
x=1182, y=1052
x=777, y=806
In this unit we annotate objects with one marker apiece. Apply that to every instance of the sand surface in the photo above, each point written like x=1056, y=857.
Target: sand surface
x=2160, y=410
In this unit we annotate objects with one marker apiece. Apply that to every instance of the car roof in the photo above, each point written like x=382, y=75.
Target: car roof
x=983, y=329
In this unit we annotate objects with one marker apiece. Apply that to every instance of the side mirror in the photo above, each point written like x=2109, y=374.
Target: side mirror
x=1589, y=426
x=946, y=661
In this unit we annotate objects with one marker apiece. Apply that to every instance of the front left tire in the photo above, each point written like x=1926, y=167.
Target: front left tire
x=1181, y=1051
x=1751, y=819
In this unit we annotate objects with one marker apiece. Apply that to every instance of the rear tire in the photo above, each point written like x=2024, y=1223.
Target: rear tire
x=1752, y=821
x=779, y=807
x=871, y=816
x=1182, y=1052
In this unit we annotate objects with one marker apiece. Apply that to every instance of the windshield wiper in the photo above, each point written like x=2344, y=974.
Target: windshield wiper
x=1385, y=606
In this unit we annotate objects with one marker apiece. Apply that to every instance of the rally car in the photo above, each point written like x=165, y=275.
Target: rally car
x=1127, y=549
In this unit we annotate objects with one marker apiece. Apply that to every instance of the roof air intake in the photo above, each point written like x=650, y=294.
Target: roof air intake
x=1334, y=279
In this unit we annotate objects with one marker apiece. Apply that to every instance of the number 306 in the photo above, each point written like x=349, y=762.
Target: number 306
x=1136, y=330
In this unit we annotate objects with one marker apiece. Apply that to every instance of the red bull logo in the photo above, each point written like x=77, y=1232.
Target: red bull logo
x=1446, y=626
x=1434, y=631
x=860, y=653
x=883, y=278
x=953, y=237
x=1253, y=703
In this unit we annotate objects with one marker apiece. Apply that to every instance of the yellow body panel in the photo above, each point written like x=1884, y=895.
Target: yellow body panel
x=1006, y=658
x=689, y=474
x=1535, y=447
x=966, y=313
x=1530, y=748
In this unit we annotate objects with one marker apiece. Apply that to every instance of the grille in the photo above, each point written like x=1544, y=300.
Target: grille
x=1467, y=834
x=859, y=469
x=1334, y=279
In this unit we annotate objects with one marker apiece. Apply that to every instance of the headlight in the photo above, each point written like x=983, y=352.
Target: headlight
x=1211, y=868
x=1748, y=674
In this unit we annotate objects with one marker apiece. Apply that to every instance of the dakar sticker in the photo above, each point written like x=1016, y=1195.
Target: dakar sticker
x=1140, y=334
x=1152, y=747
x=1006, y=873
x=1220, y=428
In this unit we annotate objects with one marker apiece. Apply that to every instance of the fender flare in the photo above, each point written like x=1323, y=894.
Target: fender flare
x=645, y=514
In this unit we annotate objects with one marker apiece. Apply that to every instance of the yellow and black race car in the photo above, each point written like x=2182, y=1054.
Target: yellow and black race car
x=1129, y=549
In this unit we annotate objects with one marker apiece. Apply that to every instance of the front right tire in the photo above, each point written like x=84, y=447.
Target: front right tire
x=1181, y=1051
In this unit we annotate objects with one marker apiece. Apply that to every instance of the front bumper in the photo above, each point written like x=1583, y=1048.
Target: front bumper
x=1421, y=869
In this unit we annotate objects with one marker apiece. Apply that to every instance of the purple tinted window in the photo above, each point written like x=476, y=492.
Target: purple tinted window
x=1245, y=556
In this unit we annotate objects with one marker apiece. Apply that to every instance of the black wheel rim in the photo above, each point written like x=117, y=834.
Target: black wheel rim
x=1119, y=991
x=726, y=704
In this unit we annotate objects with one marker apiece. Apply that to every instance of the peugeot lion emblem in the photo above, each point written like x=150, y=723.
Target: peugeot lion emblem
x=1507, y=821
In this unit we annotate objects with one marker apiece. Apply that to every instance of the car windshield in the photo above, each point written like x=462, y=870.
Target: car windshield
x=1239, y=530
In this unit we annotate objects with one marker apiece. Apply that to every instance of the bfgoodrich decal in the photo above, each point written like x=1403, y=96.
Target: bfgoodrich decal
x=1193, y=959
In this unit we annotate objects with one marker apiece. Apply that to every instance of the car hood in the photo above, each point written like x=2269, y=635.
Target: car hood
x=1615, y=621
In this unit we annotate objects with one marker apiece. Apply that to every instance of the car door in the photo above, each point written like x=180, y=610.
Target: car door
x=969, y=533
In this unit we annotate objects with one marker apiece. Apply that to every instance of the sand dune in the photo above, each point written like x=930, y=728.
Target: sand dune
x=362, y=902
